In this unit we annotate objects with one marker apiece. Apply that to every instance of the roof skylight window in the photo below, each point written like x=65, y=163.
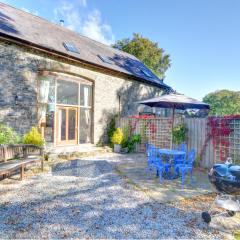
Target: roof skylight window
x=147, y=74
x=105, y=59
x=70, y=47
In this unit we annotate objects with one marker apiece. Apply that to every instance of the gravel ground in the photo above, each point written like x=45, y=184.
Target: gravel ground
x=86, y=199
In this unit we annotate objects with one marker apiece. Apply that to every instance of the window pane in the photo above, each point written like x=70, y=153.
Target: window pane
x=51, y=94
x=46, y=90
x=67, y=92
x=49, y=129
x=85, y=95
x=62, y=124
x=72, y=124
x=85, y=126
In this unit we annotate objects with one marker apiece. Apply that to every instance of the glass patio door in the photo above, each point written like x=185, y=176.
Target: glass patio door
x=67, y=125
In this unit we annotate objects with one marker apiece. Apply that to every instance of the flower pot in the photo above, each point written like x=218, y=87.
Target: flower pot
x=124, y=150
x=117, y=148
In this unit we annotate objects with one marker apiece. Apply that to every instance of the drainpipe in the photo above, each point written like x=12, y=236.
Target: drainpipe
x=119, y=109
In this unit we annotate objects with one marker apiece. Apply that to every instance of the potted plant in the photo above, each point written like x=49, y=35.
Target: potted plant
x=124, y=144
x=128, y=145
x=132, y=141
x=179, y=134
x=116, y=140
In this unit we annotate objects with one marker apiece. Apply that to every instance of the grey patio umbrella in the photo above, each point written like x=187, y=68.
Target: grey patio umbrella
x=175, y=101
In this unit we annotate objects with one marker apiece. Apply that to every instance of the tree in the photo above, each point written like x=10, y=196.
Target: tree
x=223, y=102
x=146, y=51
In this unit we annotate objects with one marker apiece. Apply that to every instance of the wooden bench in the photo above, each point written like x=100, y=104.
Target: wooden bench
x=18, y=156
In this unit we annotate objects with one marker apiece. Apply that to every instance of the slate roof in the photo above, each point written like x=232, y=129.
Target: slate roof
x=36, y=31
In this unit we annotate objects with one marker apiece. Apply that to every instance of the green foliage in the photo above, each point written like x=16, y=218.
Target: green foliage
x=117, y=136
x=111, y=129
x=223, y=102
x=125, y=137
x=197, y=161
x=146, y=51
x=8, y=135
x=33, y=137
x=179, y=134
x=130, y=142
x=237, y=161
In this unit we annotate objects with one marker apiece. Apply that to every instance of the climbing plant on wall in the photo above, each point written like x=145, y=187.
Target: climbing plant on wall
x=147, y=125
x=219, y=131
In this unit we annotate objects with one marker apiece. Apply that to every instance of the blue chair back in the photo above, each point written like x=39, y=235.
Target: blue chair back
x=182, y=147
x=160, y=157
x=148, y=148
x=179, y=159
x=154, y=156
x=191, y=157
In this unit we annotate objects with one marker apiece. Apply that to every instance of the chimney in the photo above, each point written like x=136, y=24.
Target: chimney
x=62, y=22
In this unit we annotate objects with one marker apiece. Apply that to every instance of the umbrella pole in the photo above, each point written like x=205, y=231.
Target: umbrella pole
x=173, y=115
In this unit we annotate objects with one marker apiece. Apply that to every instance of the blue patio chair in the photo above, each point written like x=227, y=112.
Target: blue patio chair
x=180, y=159
x=155, y=163
x=165, y=165
x=151, y=155
x=182, y=147
x=186, y=167
x=148, y=147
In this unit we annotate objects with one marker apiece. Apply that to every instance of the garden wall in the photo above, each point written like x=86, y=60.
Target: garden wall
x=214, y=139
x=196, y=139
x=153, y=130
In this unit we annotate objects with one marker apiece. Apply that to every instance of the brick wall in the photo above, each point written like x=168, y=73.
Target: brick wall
x=19, y=69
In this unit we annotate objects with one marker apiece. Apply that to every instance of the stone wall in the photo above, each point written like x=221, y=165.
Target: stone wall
x=19, y=69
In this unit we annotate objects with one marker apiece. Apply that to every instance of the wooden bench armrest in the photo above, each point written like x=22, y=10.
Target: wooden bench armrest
x=19, y=164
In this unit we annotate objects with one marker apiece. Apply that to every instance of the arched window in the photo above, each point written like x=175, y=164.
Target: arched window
x=65, y=108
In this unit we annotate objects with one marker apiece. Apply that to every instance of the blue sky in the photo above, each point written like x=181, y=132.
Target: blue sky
x=201, y=36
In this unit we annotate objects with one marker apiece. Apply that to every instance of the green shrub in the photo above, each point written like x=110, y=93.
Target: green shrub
x=197, y=161
x=33, y=137
x=8, y=135
x=125, y=137
x=130, y=142
x=117, y=136
x=110, y=129
x=237, y=161
x=179, y=134
x=133, y=141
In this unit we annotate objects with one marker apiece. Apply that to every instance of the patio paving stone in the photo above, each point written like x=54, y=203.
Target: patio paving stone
x=169, y=190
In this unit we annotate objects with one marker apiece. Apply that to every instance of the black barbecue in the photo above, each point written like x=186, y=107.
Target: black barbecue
x=226, y=180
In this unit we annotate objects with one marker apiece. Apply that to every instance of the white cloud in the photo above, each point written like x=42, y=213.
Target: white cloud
x=83, y=2
x=90, y=25
x=69, y=14
x=95, y=29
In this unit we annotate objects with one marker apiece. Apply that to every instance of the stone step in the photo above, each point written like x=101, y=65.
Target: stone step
x=67, y=155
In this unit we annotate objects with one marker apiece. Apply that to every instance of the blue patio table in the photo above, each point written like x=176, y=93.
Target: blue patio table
x=170, y=153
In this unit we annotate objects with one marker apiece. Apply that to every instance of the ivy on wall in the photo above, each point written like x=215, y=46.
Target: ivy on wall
x=179, y=134
x=219, y=131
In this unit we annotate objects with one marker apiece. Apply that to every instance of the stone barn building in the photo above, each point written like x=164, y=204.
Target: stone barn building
x=66, y=84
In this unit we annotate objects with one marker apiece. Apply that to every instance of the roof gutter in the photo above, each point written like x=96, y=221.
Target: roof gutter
x=54, y=52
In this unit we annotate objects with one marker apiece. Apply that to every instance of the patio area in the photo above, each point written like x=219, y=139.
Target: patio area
x=103, y=197
x=134, y=169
